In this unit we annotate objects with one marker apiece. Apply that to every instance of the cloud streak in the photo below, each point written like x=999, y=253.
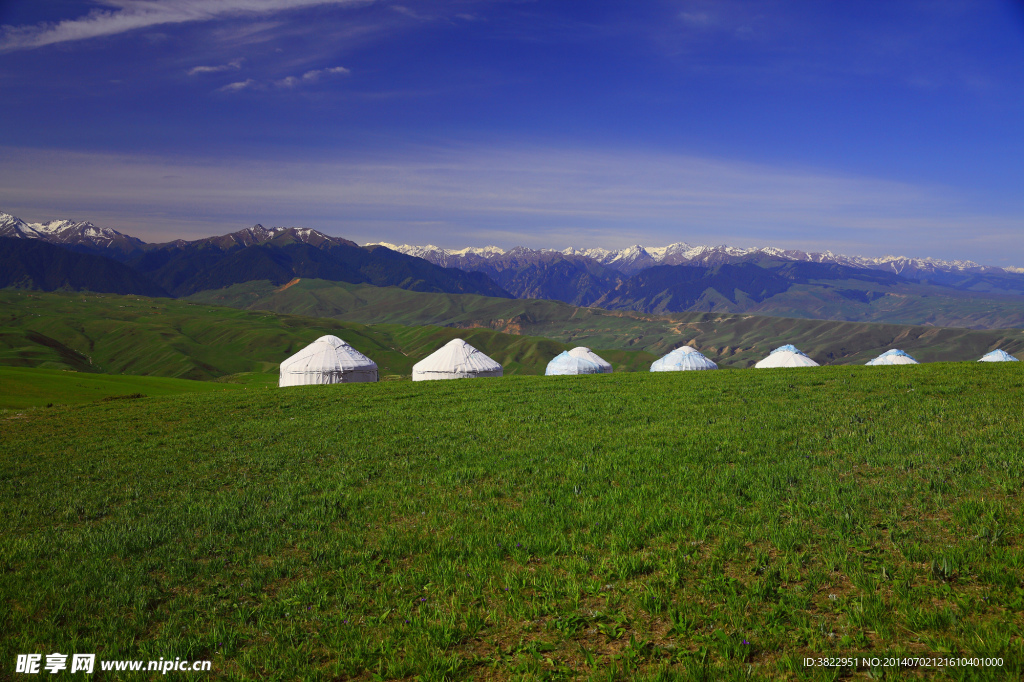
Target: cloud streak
x=238, y=85
x=232, y=65
x=539, y=197
x=291, y=82
x=131, y=15
x=312, y=76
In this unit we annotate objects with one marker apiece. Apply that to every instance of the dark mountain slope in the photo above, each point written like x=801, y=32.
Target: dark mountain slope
x=737, y=286
x=34, y=264
x=675, y=288
x=550, y=275
x=183, y=268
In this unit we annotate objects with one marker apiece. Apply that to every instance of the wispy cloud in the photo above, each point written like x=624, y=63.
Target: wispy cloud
x=131, y=15
x=239, y=85
x=311, y=77
x=232, y=65
x=539, y=197
x=402, y=9
x=290, y=82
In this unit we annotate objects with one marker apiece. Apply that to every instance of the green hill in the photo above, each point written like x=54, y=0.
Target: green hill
x=729, y=339
x=700, y=525
x=174, y=338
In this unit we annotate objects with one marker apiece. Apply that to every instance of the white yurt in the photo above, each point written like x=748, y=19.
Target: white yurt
x=786, y=356
x=587, y=354
x=682, y=359
x=893, y=357
x=564, y=363
x=998, y=356
x=328, y=360
x=455, y=360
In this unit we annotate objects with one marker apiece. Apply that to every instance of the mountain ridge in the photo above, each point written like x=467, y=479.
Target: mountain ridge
x=681, y=253
x=183, y=267
x=675, y=278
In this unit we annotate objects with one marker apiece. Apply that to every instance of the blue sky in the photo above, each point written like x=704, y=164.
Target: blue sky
x=867, y=128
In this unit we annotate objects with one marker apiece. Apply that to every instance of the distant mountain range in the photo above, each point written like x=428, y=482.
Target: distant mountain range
x=71, y=234
x=670, y=279
x=633, y=259
x=278, y=255
x=768, y=281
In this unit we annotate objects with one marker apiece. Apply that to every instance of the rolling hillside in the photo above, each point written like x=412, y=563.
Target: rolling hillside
x=730, y=340
x=171, y=338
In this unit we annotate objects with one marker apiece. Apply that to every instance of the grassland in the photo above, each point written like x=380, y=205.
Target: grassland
x=704, y=525
x=33, y=387
x=731, y=340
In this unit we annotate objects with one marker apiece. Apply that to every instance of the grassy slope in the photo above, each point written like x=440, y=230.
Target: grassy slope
x=175, y=338
x=730, y=340
x=34, y=387
x=698, y=523
x=913, y=303
x=906, y=304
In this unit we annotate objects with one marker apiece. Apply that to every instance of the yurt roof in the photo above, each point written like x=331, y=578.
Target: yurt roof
x=566, y=363
x=328, y=353
x=786, y=356
x=584, y=352
x=682, y=358
x=788, y=348
x=998, y=355
x=894, y=356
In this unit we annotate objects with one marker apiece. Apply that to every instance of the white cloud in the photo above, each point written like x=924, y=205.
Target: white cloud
x=531, y=196
x=234, y=64
x=130, y=15
x=697, y=18
x=311, y=76
x=240, y=85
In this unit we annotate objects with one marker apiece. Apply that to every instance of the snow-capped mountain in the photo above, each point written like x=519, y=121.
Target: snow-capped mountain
x=69, y=233
x=446, y=258
x=85, y=236
x=257, y=234
x=635, y=258
x=16, y=227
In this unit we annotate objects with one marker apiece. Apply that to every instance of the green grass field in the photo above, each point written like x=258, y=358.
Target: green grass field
x=703, y=525
x=31, y=387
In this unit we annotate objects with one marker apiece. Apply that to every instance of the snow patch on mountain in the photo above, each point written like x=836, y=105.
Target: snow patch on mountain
x=431, y=250
x=66, y=232
x=634, y=258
